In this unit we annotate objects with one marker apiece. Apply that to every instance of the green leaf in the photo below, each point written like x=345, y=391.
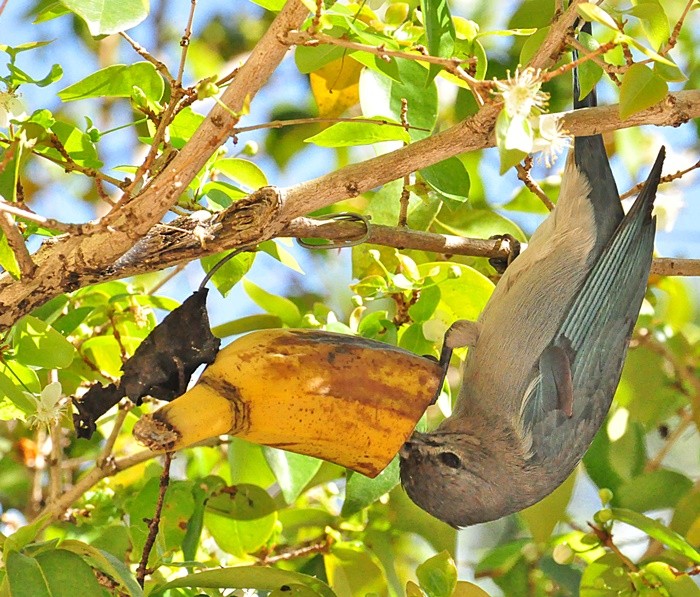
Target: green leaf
x=117, y=80
x=8, y=261
x=278, y=252
x=104, y=17
x=244, y=501
x=38, y=344
x=183, y=126
x=384, y=207
x=19, y=77
x=221, y=195
x=49, y=12
x=9, y=390
x=589, y=71
x=612, y=463
x=353, y=570
x=271, y=5
x=361, y=491
x=104, y=353
x=247, y=464
x=657, y=531
x=478, y=223
x=592, y=12
x=381, y=96
x=262, y=321
x=653, y=491
x=605, y=577
x=242, y=172
x=347, y=134
x=293, y=471
x=641, y=88
x=311, y=58
x=676, y=585
x=25, y=47
x=467, y=589
x=654, y=21
x=438, y=575
x=232, y=272
x=247, y=577
x=449, y=178
x=25, y=535
x=532, y=45
x=177, y=510
x=106, y=562
x=285, y=309
x=67, y=574
x=241, y=519
x=439, y=31
x=24, y=577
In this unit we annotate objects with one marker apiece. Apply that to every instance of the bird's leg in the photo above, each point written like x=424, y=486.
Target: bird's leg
x=460, y=333
x=513, y=244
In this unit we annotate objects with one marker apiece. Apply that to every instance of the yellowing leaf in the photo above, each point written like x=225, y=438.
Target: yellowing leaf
x=336, y=86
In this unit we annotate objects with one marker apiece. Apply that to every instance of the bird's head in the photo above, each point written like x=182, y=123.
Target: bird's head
x=461, y=479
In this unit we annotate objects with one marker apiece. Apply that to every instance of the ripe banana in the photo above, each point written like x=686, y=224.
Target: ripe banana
x=341, y=398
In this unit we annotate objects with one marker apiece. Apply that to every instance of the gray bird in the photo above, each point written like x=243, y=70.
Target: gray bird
x=546, y=354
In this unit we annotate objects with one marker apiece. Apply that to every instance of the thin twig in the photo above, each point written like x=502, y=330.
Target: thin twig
x=323, y=546
x=108, y=468
x=673, y=39
x=584, y=56
x=166, y=278
x=70, y=165
x=304, y=38
x=405, y=193
x=34, y=217
x=106, y=453
x=276, y=124
x=185, y=43
x=524, y=175
x=144, y=53
x=153, y=523
x=606, y=538
x=664, y=179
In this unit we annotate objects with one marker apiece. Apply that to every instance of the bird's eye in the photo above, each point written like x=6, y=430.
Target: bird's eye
x=450, y=459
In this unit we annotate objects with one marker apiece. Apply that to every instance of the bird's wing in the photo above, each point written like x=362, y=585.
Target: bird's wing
x=579, y=371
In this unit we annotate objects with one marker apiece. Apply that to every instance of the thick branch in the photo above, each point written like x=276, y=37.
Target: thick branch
x=76, y=261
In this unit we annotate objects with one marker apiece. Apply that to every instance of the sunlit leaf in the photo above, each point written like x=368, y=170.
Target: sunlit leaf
x=109, y=16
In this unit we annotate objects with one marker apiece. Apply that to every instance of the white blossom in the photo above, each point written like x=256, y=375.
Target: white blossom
x=551, y=141
x=48, y=405
x=11, y=108
x=521, y=93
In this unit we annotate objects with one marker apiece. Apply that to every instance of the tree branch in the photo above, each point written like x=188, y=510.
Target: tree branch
x=73, y=262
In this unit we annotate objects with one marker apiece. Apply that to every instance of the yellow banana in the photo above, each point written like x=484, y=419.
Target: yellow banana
x=341, y=398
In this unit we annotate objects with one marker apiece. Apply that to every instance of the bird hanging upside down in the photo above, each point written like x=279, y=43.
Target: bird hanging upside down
x=546, y=354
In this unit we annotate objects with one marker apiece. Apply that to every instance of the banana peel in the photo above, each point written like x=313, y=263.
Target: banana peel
x=345, y=399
